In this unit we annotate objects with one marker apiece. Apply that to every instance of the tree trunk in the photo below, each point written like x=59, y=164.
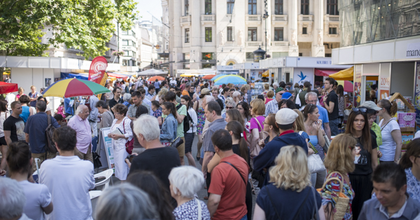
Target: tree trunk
x=1, y=73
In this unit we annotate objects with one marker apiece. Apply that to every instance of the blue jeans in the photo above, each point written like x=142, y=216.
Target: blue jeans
x=334, y=126
x=244, y=218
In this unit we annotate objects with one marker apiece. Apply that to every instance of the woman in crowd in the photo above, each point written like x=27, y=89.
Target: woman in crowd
x=158, y=194
x=126, y=99
x=237, y=97
x=170, y=124
x=229, y=104
x=390, y=130
x=270, y=95
x=157, y=111
x=255, y=125
x=125, y=202
x=122, y=134
x=299, y=126
x=189, y=135
x=197, y=93
x=3, y=115
x=339, y=162
x=341, y=103
x=26, y=109
x=266, y=89
x=38, y=197
x=271, y=127
x=243, y=108
x=287, y=103
x=185, y=182
x=366, y=158
x=290, y=195
x=410, y=161
x=201, y=120
x=106, y=116
x=234, y=115
x=21, y=92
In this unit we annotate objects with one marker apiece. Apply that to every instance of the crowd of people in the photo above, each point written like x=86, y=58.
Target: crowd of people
x=292, y=148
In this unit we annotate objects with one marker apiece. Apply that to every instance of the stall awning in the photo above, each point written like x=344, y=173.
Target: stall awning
x=72, y=75
x=346, y=74
x=325, y=72
x=119, y=76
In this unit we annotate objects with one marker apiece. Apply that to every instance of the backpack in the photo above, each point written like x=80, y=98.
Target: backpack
x=49, y=133
x=187, y=119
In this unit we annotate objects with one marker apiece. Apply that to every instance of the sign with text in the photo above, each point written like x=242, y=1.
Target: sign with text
x=106, y=144
x=413, y=50
x=384, y=81
x=97, y=69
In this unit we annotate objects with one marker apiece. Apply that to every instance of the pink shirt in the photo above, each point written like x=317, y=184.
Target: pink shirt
x=84, y=134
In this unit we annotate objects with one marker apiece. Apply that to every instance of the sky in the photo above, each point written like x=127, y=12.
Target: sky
x=153, y=6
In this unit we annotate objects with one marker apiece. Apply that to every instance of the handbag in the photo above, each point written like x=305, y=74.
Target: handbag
x=315, y=163
x=327, y=143
x=177, y=142
x=129, y=145
x=342, y=201
x=255, y=150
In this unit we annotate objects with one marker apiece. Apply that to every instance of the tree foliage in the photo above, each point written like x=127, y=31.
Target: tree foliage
x=86, y=25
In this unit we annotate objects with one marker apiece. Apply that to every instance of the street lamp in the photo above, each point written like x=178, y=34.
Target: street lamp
x=265, y=16
x=258, y=55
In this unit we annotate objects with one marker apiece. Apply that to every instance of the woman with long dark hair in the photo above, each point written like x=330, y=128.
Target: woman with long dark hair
x=410, y=161
x=366, y=158
x=243, y=108
x=189, y=135
x=234, y=115
x=169, y=125
x=390, y=131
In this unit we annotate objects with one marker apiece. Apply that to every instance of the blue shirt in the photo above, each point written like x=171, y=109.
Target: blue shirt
x=67, y=108
x=35, y=127
x=25, y=113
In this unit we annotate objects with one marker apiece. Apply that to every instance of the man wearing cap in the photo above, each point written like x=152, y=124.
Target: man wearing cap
x=273, y=105
x=285, y=119
x=306, y=88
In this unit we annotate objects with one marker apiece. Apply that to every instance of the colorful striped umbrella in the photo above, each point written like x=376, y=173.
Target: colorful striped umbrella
x=234, y=79
x=74, y=87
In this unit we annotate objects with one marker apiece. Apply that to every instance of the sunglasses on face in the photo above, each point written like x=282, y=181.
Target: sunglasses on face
x=361, y=110
x=227, y=107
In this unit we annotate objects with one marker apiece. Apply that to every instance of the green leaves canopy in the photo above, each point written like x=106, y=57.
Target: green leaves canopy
x=86, y=25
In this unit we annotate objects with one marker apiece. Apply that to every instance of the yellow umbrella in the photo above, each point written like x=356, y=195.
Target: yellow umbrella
x=346, y=74
x=266, y=73
x=187, y=75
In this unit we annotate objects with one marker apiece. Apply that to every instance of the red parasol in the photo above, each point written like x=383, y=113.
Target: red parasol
x=8, y=87
x=159, y=78
x=208, y=76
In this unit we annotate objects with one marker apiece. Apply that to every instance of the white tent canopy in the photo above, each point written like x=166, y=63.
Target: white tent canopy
x=150, y=72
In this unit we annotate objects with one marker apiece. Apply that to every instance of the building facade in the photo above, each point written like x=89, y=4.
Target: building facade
x=206, y=33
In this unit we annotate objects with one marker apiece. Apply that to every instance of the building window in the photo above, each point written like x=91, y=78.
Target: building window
x=186, y=7
x=252, y=34
x=304, y=30
x=126, y=53
x=332, y=8
x=252, y=7
x=208, y=34
x=230, y=5
x=300, y=54
x=278, y=7
x=229, y=34
x=207, y=7
x=187, y=35
x=327, y=55
x=332, y=30
x=249, y=56
x=125, y=42
x=207, y=60
x=278, y=34
x=304, y=7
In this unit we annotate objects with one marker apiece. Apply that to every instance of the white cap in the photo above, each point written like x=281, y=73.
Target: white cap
x=286, y=116
x=417, y=135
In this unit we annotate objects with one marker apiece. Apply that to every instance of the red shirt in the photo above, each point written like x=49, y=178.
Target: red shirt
x=225, y=181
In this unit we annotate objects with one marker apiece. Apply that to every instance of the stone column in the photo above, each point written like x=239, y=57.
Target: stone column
x=293, y=28
x=176, y=28
x=195, y=33
x=318, y=33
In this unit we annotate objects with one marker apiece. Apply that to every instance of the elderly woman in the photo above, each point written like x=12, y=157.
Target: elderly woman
x=125, y=202
x=229, y=104
x=185, y=182
x=127, y=99
x=120, y=133
x=290, y=188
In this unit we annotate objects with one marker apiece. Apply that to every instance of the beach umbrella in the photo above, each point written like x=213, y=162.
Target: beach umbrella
x=233, y=79
x=217, y=76
x=8, y=87
x=74, y=87
x=159, y=78
x=209, y=76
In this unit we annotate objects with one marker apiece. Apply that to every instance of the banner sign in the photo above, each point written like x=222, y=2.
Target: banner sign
x=106, y=147
x=97, y=69
x=357, y=85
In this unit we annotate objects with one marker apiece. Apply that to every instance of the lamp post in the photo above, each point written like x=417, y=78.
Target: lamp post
x=259, y=55
x=265, y=16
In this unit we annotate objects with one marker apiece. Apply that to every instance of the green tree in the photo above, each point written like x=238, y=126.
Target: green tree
x=86, y=25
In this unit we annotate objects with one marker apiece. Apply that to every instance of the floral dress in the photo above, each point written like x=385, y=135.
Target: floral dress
x=201, y=119
x=331, y=190
x=413, y=185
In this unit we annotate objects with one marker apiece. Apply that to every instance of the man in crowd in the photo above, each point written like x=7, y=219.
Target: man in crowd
x=68, y=178
x=215, y=94
x=285, y=119
x=117, y=97
x=182, y=112
x=306, y=88
x=93, y=115
x=157, y=158
x=68, y=107
x=312, y=98
x=35, y=132
x=275, y=86
x=213, y=113
x=151, y=92
x=331, y=104
x=186, y=90
x=14, y=126
x=228, y=182
x=391, y=200
x=225, y=94
x=12, y=200
x=106, y=116
x=273, y=105
x=84, y=134
x=137, y=101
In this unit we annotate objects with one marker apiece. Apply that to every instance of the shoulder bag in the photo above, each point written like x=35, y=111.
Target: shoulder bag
x=255, y=150
x=327, y=143
x=129, y=145
x=49, y=134
x=315, y=163
x=177, y=142
x=342, y=200
x=199, y=208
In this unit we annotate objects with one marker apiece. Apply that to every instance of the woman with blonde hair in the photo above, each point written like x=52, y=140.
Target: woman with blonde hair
x=339, y=162
x=289, y=194
x=266, y=90
x=270, y=95
x=255, y=125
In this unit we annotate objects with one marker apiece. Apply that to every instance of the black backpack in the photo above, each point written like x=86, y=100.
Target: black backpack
x=187, y=119
x=49, y=133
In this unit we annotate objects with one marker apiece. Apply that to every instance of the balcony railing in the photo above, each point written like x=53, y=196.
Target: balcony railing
x=279, y=17
x=186, y=20
x=306, y=17
x=253, y=43
x=253, y=17
x=208, y=19
x=280, y=44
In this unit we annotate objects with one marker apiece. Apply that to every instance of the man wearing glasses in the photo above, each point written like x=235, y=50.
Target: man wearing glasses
x=273, y=106
x=312, y=98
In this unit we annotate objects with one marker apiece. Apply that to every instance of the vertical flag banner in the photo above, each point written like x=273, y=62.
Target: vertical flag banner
x=97, y=69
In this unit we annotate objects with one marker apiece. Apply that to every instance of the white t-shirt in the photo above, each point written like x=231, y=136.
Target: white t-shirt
x=388, y=144
x=69, y=180
x=193, y=116
x=37, y=196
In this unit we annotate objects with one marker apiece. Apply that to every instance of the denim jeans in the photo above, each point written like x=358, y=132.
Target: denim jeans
x=334, y=126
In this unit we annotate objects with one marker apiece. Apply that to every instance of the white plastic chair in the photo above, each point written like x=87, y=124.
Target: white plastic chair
x=107, y=174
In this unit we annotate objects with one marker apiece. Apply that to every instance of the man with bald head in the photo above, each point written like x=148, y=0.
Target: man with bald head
x=81, y=125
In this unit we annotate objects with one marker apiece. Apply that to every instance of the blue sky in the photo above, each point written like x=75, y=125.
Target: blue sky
x=153, y=6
